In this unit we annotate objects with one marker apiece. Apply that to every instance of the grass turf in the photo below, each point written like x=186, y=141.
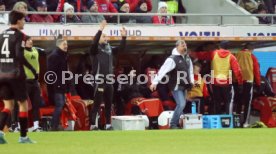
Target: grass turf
x=223, y=141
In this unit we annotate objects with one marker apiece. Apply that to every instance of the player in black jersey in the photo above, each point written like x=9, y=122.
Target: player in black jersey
x=12, y=75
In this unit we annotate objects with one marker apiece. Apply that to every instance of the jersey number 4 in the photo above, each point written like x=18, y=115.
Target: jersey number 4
x=5, y=48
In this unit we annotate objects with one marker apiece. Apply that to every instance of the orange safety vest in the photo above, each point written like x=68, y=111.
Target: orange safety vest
x=221, y=67
x=246, y=63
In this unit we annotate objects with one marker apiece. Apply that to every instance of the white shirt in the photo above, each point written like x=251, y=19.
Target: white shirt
x=169, y=65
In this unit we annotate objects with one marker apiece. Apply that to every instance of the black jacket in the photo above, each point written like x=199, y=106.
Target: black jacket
x=57, y=63
x=102, y=55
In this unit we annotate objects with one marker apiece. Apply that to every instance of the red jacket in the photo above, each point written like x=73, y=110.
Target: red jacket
x=167, y=20
x=105, y=6
x=265, y=105
x=221, y=53
x=42, y=18
x=133, y=4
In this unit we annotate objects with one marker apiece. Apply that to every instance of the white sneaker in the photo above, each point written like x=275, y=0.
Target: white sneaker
x=245, y=125
x=26, y=140
x=39, y=129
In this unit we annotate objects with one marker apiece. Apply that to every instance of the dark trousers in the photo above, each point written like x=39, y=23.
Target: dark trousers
x=223, y=98
x=243, y=101
x=59, y=100
x=35, y=98
x=103, y=93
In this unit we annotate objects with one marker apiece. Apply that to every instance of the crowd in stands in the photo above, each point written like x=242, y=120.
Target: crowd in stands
x=117, y=6
x=259, y=7
x=94, y=6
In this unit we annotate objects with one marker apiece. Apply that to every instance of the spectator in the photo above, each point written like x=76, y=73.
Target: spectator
x=142, y=7
x=123, y=7
x=9, y=4
x=70, y=17
x=93, y=8
x=136, y=3
x=41, y=6
x=176, y=6
x=263, y=19
x=76, y=4
x=21, y=7
x=163, y=19
x=57, y=63
x=4, y=17
x=270, y=4
x=106, y=6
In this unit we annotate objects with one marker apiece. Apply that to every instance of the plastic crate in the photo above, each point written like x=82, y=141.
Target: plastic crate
x=192, y=121
x=217, y=121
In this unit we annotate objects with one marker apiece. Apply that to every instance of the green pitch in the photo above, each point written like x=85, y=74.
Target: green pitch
x=227, y=141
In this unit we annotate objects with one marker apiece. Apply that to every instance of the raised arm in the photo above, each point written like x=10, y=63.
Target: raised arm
x=122, y=45
x=203, y=55
x=95, y=44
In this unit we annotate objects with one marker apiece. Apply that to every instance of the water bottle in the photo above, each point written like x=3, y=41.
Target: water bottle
x=193, y=108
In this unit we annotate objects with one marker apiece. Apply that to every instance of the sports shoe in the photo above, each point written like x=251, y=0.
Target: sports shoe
x=109, y=128
x=94, y=128
x=174, y=127
x=26, y=140
x=39, y=129
x=246, y=125
x=15, y=130
x=2, y=139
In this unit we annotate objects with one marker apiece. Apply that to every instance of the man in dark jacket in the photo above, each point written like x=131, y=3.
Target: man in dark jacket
x=41, y=6
x=56, y=64
x=142, y=8
x=92, y=6
x=102, y=55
